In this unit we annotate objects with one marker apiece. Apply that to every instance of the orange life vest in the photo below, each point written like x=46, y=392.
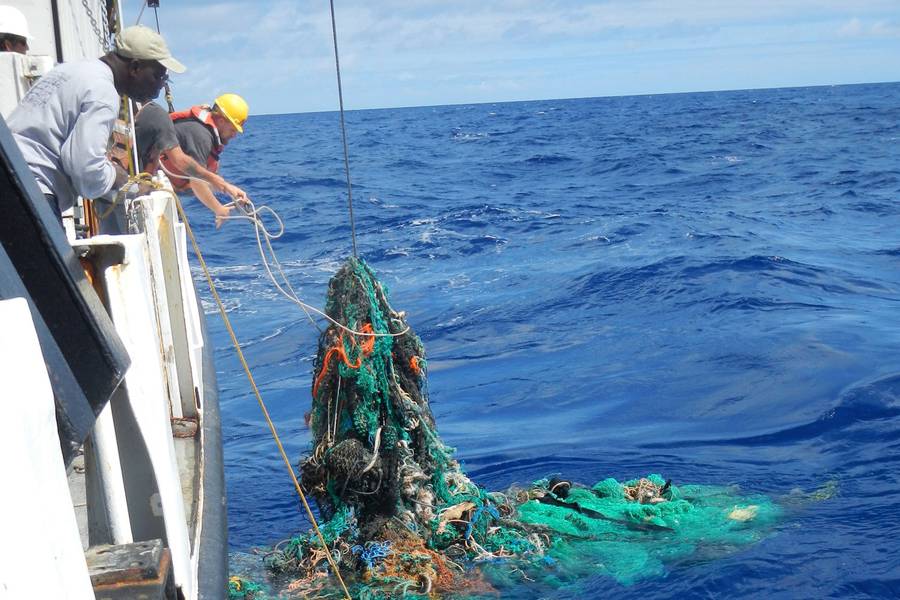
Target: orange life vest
x=204, y=115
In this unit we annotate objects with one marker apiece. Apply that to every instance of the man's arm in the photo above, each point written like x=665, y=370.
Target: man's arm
x=83, y=154
x=184, y=163
x=204, y=193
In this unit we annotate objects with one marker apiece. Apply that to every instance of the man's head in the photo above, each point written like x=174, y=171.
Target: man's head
x=229, y=113
x=142, y=58
x=14, y=34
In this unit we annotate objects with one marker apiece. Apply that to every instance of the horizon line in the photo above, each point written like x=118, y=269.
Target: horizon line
x=713, y=91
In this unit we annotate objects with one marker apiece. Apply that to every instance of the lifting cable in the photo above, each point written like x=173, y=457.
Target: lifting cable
x=141, y=14
x=337, y=65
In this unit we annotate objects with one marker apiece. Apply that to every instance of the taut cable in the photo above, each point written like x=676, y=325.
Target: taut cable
x=337, y=65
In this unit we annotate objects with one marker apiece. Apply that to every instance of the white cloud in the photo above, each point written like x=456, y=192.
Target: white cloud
x=886, y=29
x=878, y=29
x=279, y=53
x=851, y=28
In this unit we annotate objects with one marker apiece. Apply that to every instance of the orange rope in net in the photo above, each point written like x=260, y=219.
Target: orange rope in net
x=414, y=365
x=366, y=347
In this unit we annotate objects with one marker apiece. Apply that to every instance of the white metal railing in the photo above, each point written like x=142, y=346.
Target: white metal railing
x=150, y=297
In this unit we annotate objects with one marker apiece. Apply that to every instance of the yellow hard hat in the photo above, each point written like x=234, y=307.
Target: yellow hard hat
x=234, y=108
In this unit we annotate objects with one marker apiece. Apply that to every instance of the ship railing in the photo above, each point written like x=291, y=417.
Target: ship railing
x=138, y=479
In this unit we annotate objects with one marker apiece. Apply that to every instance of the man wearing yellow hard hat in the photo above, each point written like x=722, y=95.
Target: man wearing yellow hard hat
x=156, y=137
x=203, y=131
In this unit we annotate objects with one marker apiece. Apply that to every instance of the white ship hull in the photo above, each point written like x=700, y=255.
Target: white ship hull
x=101, y=468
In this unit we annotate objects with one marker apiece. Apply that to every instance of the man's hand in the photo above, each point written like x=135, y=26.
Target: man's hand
x=121, y=176
x=144, y=188
x=204, y=193
x=236, y=193
x=222, y=213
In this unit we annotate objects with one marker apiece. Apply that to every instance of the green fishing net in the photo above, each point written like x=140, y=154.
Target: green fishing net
x=401, y=519
x=240, y=588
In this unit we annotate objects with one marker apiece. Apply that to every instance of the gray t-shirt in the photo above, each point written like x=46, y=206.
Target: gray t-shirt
x=196, y=139
x=154, y=132
x=62, y=127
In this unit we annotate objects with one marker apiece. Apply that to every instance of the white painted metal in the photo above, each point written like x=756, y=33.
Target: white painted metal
x=132, y=136
x=192, y=313
x=17, y=72
x=81, y=38
x=131, y=289
x=110, y=475
x=41, y=550
x=148, y=211
x=192, y=316
x=79, y=35
x=163, y=217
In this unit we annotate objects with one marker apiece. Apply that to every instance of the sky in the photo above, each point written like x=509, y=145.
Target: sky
x=279, y=54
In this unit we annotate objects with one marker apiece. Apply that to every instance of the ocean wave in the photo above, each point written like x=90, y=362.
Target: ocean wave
x=328, y=182
x=548, y=159
x=871, y=403
x=753, y=305
x=408, y=163
x=468, y=136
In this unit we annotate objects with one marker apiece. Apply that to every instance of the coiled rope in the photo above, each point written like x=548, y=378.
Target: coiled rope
x=251, y=212
x=140, y=178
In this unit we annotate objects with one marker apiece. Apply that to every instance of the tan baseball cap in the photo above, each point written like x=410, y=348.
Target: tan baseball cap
x=143, y=43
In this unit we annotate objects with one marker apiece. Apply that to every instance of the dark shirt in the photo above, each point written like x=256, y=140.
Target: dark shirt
x=154, y=132
x=196, y=139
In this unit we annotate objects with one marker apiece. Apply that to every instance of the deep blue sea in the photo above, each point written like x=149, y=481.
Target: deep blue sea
x=701, y=285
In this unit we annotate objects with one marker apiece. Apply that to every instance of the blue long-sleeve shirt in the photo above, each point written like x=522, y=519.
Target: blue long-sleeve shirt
x=63, y=125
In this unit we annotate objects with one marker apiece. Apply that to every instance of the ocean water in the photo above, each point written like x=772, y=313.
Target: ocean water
x=700, y=285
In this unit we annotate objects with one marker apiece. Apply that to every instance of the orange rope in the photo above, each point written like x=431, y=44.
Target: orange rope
x=369, y=344
x=414, y=364
x=367, y=347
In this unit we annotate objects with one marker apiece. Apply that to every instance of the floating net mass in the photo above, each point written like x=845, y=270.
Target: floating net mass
x=401, y=518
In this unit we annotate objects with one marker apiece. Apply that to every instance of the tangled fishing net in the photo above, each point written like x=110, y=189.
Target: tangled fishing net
x=402, y=519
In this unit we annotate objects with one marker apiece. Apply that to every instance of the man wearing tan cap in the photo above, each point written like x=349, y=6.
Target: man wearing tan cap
x=64, y=122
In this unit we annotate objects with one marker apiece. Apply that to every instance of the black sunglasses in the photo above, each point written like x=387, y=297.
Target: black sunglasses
x=160, y=73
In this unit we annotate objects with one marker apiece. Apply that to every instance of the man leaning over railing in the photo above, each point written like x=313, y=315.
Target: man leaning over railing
x=64, y=122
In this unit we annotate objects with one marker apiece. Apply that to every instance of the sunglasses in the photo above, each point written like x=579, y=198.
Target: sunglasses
x=159, y=72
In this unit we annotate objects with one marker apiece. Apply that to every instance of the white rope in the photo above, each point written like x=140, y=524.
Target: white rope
x=374, y=452
x=251, y=212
